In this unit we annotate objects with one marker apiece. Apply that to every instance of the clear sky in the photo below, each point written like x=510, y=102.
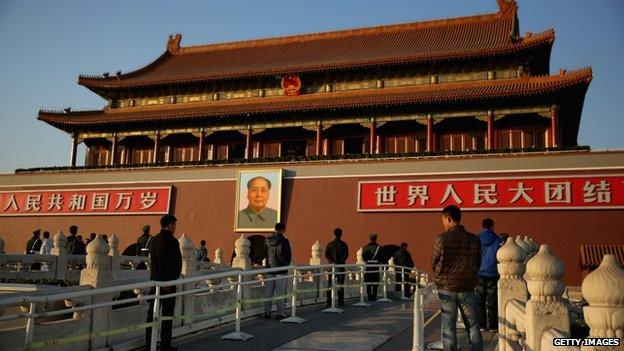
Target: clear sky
x=45, y=45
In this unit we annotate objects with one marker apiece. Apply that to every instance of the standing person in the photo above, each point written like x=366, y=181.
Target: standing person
x=165, y=265
x=455, y=260
x=403, y=258
x=80, y=248
x=143, y=241
x=337, y=252
x=370, y=255
x=90, y=238
x=278, y=254
x=488, y=276
x=46, y=245
x=202, y=252
x=33, y=245
x=70, y=244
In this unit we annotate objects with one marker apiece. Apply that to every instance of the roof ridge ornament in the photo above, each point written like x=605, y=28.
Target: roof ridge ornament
x=173, y=44
x=507, y=6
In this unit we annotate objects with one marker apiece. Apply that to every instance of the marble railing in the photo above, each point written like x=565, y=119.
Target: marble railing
x=532, y=310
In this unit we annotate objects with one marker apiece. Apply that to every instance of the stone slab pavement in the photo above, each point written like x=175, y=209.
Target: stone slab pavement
x=381, y=327
x=357, y=329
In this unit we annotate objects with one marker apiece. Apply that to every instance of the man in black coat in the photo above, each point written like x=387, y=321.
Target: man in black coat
x=371, y=255
x=165, y=264
x=337, y=252
x=402, y=258
x=33, y=246
x=278, y=254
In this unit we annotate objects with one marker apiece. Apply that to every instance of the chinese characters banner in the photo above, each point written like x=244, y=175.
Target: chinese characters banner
x=65, y=202
x=493, y=194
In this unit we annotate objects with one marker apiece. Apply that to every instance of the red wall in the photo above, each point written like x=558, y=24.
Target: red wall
x=312, y=207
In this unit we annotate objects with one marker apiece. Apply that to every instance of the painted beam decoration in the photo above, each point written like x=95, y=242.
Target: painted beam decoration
x=526, y=193
x=72, y=202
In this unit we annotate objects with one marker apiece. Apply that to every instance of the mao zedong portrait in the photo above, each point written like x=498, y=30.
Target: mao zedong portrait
x=257, y=214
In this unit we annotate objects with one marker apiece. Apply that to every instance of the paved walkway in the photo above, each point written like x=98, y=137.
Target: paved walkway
x=381, y=327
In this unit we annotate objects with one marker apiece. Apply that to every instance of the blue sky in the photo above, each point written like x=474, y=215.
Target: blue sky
x=47, y=44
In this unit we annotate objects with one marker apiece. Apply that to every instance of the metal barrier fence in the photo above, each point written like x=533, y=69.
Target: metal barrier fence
x=238, y=279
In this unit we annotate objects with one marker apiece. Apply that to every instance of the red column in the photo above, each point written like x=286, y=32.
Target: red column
x=490, y=131
x=378, y=144
x=156, y=148
x=74, y=150
x=554, y=125
x=319, y=131
x=113, y=151
x=371, y=149
x=430, y=133
x=248, y=144
x=200, y=151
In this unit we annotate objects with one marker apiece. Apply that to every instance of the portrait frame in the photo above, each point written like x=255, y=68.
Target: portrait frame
x=242, y=207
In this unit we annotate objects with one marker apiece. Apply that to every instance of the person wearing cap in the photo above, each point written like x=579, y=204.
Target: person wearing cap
x=337, y=252
x=370, y=255
x=165, y=265
x=144, y=241
x=33, y=245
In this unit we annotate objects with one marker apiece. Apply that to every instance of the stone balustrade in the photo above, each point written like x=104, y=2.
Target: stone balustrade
x=211, y=305
x=531, y=308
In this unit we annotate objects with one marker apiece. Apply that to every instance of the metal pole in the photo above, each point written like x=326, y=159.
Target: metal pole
x=418, y=329
x=384, y=276
x=30, y=326
x=237, y=334
x=239, y=302
x=333, y=308
x=156, y=318
x=361, y=303
x=293, y=304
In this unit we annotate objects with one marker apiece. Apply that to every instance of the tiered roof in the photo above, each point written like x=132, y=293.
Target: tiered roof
x=387, y=97
x=437, y=40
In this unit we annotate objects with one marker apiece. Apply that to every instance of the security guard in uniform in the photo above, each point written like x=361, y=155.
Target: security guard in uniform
x=370, y=255
x=144, y=241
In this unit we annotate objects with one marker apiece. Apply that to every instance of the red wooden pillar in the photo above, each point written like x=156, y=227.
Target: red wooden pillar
x=200, y=151
x=248, y=144
x=74, y=150
x=378, y=144
x=113, y=150
x=319, y=131
x=156, y=148
x=490, y=131
x=554, y=125
x=373, y=127
x=430, y=144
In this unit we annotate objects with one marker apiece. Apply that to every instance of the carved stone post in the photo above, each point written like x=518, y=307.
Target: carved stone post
x=316, y=259
x=2, y=247
x=391, y=276
x=545, y=309
x=358, y=255
x=189, y=269
x=113, y=242
x=218, y=259
x=511, y=286
x=98, y=275
x=60, y=252
x=242, y=249
x=603, y=289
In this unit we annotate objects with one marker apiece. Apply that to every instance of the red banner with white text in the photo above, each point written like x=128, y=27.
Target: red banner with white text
x=72, y=202
x=549, y=193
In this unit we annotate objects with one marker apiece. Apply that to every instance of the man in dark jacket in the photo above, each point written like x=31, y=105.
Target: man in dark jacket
x=165, y=264
x=455, y=261
x=371, y=255
x=143, y=241
x=278, y=254
x=70, y=245
x=337, y=252
x=402, y=258
x=487, y=290
x=33, y=246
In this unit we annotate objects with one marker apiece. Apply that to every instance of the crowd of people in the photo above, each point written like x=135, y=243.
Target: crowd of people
x=464, y=269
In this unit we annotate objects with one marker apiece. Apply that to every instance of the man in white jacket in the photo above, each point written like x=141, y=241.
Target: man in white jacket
x=46, y=246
